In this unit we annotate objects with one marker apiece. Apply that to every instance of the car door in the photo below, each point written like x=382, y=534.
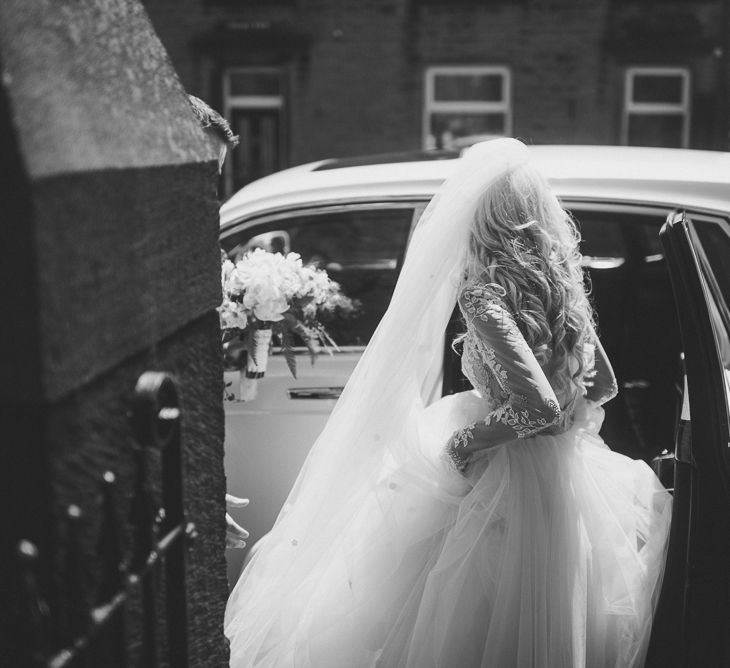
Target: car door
x=361, y=245
x=693, y=615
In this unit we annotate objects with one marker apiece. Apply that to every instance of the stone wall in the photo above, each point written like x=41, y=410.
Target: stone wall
x=110, y=267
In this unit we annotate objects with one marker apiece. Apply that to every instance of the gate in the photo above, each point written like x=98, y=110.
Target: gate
x=95, y=634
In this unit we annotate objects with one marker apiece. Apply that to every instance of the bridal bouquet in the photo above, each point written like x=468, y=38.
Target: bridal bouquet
x=269, y=295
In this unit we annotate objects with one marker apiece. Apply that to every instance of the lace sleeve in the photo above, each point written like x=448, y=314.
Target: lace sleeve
x=602, y=386
x=530, y=406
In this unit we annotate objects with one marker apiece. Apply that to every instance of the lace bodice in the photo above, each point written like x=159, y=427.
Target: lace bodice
x=503, y=369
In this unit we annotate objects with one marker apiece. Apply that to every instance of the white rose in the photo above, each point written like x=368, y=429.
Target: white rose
x=232, y=315
x=266, y=301
x=237, y=280
x=271, y=310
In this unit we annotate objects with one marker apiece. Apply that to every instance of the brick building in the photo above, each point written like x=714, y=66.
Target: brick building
x=306, y=79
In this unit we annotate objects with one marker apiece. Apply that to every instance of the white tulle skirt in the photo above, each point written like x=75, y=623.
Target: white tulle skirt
x=548, y=553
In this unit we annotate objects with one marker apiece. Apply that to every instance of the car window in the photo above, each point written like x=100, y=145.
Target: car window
x=711, y=241
x=713, y=251
x=361, y=248
x=714, y=235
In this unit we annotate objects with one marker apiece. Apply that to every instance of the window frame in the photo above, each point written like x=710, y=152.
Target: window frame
x=632, y=108
x=431, y=105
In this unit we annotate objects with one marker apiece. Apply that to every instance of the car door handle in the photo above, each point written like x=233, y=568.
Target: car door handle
x=314, y=392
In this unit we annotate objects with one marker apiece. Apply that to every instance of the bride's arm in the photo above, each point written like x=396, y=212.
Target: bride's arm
x=602, y=386
x=531, y=405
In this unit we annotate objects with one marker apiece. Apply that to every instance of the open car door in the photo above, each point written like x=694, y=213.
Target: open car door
x=692, y=626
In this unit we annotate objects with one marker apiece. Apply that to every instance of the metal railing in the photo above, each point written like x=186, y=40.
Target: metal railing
x=123, y=615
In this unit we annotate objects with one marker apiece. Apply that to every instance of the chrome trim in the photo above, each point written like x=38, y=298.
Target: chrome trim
x=342, y=350
x=315, y=392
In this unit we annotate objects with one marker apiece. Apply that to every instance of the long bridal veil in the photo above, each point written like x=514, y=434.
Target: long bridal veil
x=377, y=424
x=547, y=552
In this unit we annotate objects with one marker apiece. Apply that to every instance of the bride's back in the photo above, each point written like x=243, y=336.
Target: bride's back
x=524, y=247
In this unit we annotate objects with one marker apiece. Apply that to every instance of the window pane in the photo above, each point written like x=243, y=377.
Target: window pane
x=361, y=249
x=447, y=128
x=716, y=247
x=254, y=83
x=713, y=255
x=468, y=87
x=656, y=130
x=658, y=88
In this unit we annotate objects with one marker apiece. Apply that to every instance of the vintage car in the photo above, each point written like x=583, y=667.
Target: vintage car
x=663, y=304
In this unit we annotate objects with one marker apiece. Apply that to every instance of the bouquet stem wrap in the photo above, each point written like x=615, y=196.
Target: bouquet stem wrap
x=256, y=361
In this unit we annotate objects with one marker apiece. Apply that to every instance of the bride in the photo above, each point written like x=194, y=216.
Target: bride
x=489, y=528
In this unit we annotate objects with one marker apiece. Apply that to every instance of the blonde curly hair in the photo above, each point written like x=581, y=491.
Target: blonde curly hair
x=524, y=245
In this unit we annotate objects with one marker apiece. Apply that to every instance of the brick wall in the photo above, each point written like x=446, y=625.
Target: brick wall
x=356, y=85
x=553, y=54
x=176, y=22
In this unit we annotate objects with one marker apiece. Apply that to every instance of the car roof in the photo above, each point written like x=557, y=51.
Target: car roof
x=658, y=176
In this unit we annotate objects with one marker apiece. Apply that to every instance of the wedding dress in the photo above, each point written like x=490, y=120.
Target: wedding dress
x=546, y=552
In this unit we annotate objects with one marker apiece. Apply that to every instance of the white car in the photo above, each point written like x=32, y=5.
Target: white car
x=354, y=218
